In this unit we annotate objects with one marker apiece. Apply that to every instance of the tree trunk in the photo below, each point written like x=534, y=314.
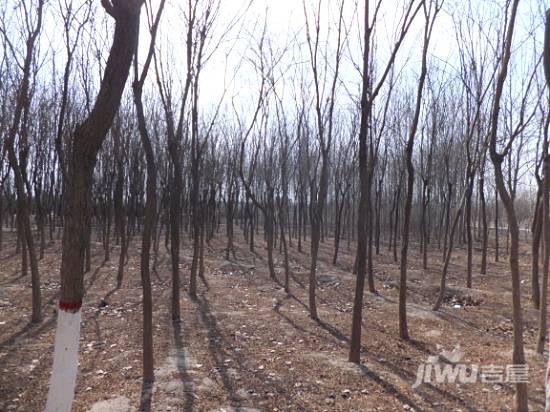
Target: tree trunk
x=198, y=221
x=23, y=208
x=448, y=253
x=546, y=251
x=316, y=213
x=536, y=229
x=175, y=208
x=370, y=220
x=284, y=243
x=88, y=138
x=496, y=225
x=150, y=209
x=468, y=217
x=361, y=254
x=148, y=227
x=485, y=229
x=518, y=357
x=396, y=220
x=403, y=329
x=120, y=213
x=546, y=200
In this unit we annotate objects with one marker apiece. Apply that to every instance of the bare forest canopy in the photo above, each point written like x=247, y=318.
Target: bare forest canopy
x=390, y=126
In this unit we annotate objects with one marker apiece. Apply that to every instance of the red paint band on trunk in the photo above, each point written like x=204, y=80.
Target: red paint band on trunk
x=70, y=306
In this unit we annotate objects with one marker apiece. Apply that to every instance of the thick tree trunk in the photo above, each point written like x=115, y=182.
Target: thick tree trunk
x=88, y=138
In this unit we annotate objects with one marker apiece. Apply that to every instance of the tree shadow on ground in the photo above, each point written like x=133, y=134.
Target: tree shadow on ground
x=94, y=275
x=215, y=348
x=388, y=387
x=13, y=278
x=220, y=350
x=30, y=330
x=146, y=397
x=188, y=389
x=427, y=392
x=204, y=281
x=507, y=387
x=335, y=332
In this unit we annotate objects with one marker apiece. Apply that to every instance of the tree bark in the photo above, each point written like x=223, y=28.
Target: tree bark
x=536, y=229
x=485, y=229
x=87, y=140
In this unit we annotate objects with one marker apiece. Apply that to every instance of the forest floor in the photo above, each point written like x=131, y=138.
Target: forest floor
x=244, y=345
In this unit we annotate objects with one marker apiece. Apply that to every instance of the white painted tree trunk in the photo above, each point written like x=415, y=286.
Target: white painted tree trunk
x=65, y=362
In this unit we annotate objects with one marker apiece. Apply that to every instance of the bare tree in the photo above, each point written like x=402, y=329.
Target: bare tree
x=369, y=91
x=497, y=158
x=324, y=133
x=431, y=11
x=174, y=141
x=150, y=206
x=19, y=126
x=87, y=140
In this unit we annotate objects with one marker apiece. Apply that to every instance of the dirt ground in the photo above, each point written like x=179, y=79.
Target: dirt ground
x=246, y=346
